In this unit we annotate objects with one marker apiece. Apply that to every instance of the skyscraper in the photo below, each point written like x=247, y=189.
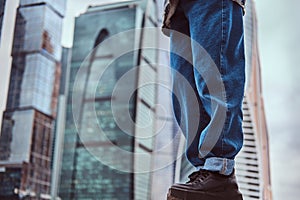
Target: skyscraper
x=28, y=121
x=2, y=8
x=252, y=163
x=99, y=156
x=60, y=123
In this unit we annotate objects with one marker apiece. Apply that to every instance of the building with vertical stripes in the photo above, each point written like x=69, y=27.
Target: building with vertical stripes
x=253, y=163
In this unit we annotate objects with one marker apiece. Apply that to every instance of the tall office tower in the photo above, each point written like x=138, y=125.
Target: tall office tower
x=28, y=121
x=252, y=163
x=58, y=140
x=166, y=127
x=2, y=8
x=101, y=152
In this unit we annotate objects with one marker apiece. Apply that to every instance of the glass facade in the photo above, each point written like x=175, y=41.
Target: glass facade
x=38, y=31
x=57, y=5
x=11, y=177
x=29, y=152
x=83, y=175
x=28, y=125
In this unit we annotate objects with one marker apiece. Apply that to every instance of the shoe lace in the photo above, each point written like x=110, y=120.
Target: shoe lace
x=198, y=176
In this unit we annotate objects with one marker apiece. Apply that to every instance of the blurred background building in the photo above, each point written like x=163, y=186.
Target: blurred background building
x=58, y=140
x=2, y=8
x=83, y=175
x=28, y=121
x=252, y=163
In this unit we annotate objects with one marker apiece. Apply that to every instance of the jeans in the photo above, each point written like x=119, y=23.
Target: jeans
x=208, y=74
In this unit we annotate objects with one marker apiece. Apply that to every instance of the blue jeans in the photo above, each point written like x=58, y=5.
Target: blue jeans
x=208, y=73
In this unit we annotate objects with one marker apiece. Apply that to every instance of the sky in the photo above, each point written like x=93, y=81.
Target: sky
x=279, y=35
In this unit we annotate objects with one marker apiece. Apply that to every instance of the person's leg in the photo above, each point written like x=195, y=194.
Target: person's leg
x=217, y=27
x=187, y=106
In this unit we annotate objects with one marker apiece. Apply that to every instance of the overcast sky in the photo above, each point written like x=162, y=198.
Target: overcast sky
x=279, y=32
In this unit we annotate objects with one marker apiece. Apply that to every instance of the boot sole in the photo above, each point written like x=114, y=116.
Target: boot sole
x=179, y=194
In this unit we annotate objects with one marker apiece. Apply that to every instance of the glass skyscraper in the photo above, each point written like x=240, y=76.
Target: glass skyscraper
x=28, y=121
x=252, y=163
x=92, y=167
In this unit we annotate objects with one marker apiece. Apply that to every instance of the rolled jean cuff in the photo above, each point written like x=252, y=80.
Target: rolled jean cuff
x=222, y=165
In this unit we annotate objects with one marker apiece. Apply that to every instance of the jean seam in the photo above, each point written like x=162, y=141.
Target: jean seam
x=223, y=70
